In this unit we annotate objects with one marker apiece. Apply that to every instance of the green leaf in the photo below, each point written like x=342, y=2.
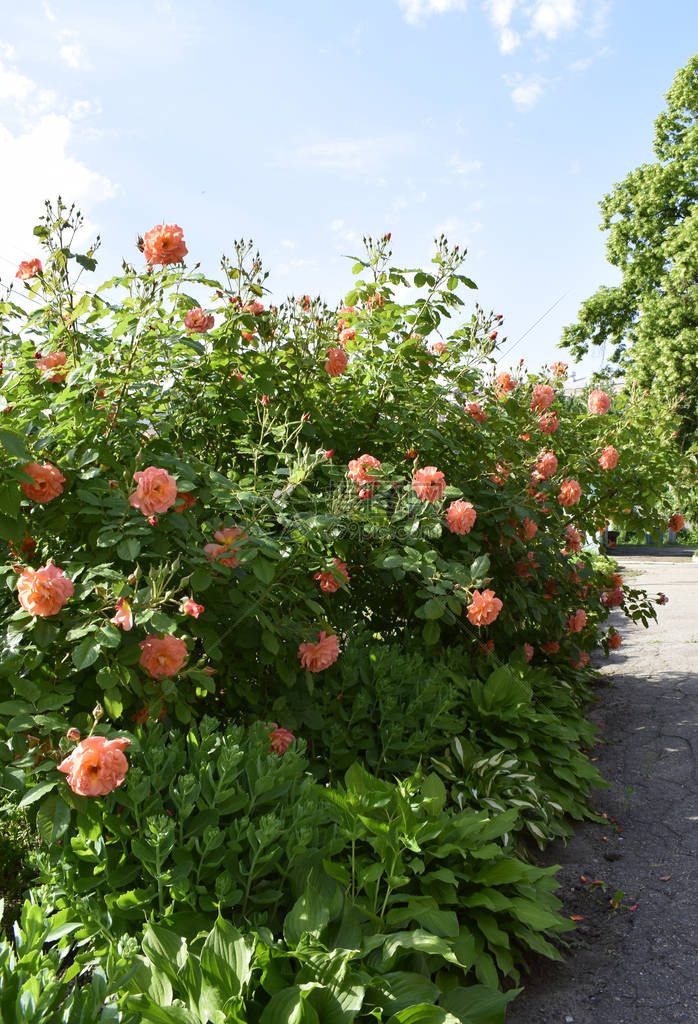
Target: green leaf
x=226, y=957
x=479, y=1004
x=14, y=444
x=290, y=1007
x=424, y=1013
x=53, y=819
x=431, y=631
x=10, y=499
x=401, y=989
x=433, y=609
x=36, y=792
x=309, y=914
x=480, y=567
x=86, y=262
x=129, y=549
x=86, y=653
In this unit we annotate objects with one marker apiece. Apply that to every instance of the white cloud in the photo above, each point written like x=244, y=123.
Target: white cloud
x=14, y=86
x=7, y=52
x=343, y=234
x=287, y=243
x=599, y=18
x=35, y=122
x=582, y=64
x=72, y=52
x=48, y=11
x=509, y=40
x=463, y=167
x=356, y=155
x=415, y=10
x=525, y=92
x=551, y=17
x=548, y=18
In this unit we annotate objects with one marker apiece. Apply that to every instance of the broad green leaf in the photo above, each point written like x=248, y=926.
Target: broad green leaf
x=36, y=792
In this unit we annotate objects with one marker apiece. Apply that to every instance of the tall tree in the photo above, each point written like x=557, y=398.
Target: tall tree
x=651, y=318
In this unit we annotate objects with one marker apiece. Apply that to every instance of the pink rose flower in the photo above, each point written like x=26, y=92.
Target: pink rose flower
x=319, y=656
x=358, y=472
x=570, y=493
x=484, y=608
x=28, y=269
x=190, y=607
x=504, y=383
x=256, y=308
x=328, y=581
x=124, y=615
x=582, y=660
x=598, y=402
x=548, y=422
x=280, y=739
x=162, y=656
x=185, y=500
x=48, y=482
x=96, y=766
x=47, y=364
x=530, y=529
x=224, y=553
x=528, y=650
x=614, y=640
x=677, y=522
x=573, y=540
x=347, y=335
x=475, y=411
x=164, y=244
x=551, y=647
x=543, y=397
x=608, y=458
x=156, y=491
x=577, y=621
x=429, y=483
x=197, y=321
x=558, y=370
x=460, y=516
x=44, y=591
x=545, y=465
x=613, y=598
x=438, y=348
x=336, y=362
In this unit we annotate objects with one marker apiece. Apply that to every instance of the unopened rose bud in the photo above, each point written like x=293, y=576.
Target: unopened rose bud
x=73, y=735
x=97, y=712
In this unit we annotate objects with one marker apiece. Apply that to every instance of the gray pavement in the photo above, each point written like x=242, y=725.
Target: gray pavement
x=625, y=965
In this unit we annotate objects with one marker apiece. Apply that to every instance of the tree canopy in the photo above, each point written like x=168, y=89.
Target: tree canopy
x=651, y=317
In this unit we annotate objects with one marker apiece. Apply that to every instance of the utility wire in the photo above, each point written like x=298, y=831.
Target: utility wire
x=557, y=302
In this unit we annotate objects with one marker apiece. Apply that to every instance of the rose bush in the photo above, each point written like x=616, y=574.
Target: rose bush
x=213, y=506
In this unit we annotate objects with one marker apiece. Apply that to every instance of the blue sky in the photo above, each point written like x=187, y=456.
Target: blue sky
x=305, y=125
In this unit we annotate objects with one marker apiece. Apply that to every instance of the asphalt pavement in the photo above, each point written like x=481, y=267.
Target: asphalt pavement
x=635, y=962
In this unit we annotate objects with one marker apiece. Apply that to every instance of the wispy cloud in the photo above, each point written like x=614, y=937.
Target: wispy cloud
x=415, y=11
x=363, y=156
x=513, y=20
x=72, y=52
x=525, y=92
x=464, y=167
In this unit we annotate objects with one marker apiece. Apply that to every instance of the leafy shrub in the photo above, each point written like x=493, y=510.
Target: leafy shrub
x=48, y=986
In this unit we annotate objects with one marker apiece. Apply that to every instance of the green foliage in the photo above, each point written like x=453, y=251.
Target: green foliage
x=372, y=872
x=652, y=222
x=40, y=985
x=205, y=821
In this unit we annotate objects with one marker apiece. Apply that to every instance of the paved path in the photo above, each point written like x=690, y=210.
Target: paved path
x=636, y=966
